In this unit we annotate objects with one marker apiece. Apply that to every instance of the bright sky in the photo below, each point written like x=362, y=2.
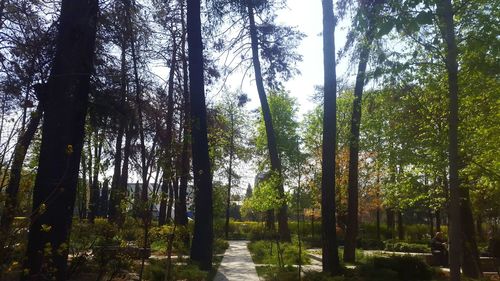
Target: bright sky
x=307, y=17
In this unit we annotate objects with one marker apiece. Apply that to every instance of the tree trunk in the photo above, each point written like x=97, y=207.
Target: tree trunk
x=94, y=188
x=352, y=203
x=377, y=225
x=117, y=195
x=170, y=202
x=390, y=222
x=202, y=246
x=230, y=175
x=401, y=230
x=103, y=202
x=123, y=187
x=180, y=203
x=11, y=193
x=471, y=266
x=163, y=203
x=431, y=223
x=455, y=234
x=270, y=220
x=438, y=221
x=83, y=206
x=65, y=108
x=479, y=225
x=138, y=99
x=330, y=259
x=272, y=146
x=167, y=169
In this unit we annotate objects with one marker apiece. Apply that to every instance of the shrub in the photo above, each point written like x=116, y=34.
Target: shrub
x=220, y=246
x=406, y=247
x=265, y=252
x=156, y=272
x=396, y=268
x=286, y=273
x=371, y=244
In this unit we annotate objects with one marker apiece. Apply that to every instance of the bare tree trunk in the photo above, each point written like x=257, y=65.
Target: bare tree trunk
x=163, y=203
x=180, y=203
x=202, y=246
x=470, y=267
x=438, y=221
x=167, y=169
x=390, y=222
x=123, y=187
x=272, y=145
x=11, y=198
x=170, y=202
x=83, y=207
x=230, y=175
x=94, y=188
x=117, y=196
x=65, y=108
x=104, y=200
x=330, y=258
x=445, y=9
x=401, y=230
x=353, y=190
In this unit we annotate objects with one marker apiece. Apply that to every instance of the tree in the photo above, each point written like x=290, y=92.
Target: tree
x=64, y=104
x=367, y=12
x=232, y=110
x=446, y=13
x=201, y=249
x=284, y=232
x=330, y=258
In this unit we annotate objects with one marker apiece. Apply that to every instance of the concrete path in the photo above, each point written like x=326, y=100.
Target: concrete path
x=237, y=264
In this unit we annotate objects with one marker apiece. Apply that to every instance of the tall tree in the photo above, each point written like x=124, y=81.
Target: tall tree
x=65, y=108
x=12, y=200
x=180, y=203
x=202, y=248
x=283, y=229
x=445, y=9
x=366, y=11
x=330, y=254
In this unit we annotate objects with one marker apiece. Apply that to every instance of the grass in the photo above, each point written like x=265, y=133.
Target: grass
x=266, y=252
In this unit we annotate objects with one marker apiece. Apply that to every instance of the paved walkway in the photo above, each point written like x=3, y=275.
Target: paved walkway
x=237, y=264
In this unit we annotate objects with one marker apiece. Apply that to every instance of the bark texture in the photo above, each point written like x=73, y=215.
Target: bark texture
x=330, y=259
x=202, y=248
x=284, y=231
x=65, y=108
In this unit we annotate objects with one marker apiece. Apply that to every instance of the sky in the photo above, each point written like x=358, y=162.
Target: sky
x=306, y=16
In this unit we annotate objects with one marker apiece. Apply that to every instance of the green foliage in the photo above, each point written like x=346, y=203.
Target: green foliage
x=220, y=246
x=406, y=247
x=159, y=239
x=287, y=273
x=283, y=111
x=156, y=272
x=266, y=252
x=265, y=196
x=404, y=268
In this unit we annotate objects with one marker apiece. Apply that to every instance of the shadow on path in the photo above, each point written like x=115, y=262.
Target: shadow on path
x=237, y=264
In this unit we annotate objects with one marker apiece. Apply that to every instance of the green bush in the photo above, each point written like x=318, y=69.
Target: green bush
x=220, y=246
x=271, y=273
x=371, y=244
x=156, y=272
x=394, y=268
x=265, y=252
x=406, y=247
